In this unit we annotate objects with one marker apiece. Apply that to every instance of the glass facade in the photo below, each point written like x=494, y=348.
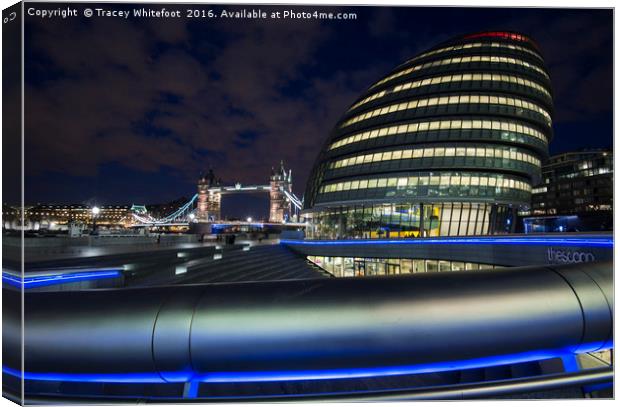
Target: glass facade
x=575, y=182
x=476, y=100
x=463, y=60
x=363, y=266
x=460, y=78
x=404, y=220
x=449, y=143
x=436, y=130
x=471, y=45
x=575, y=194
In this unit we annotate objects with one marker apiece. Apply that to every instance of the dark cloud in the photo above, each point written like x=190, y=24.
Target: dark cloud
x=116, y=82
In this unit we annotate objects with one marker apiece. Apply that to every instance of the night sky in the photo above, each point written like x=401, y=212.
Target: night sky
x=131, y=111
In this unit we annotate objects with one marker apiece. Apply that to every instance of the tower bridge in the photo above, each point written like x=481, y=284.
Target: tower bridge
x=284, y=206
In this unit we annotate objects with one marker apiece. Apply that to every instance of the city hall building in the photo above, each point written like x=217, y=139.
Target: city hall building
x=449, y=143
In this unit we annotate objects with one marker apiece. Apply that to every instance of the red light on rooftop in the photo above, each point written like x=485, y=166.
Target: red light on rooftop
x=498, y=34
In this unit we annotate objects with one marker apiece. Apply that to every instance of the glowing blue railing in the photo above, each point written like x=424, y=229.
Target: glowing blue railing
x=54, y=279
x=520, y=240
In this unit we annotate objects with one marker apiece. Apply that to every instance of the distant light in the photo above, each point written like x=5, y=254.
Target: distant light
x=95, y=210
x=249, y=219
x=192, y=216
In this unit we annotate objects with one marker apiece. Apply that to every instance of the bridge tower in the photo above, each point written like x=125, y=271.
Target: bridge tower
x=280, y=206
x=208, y=207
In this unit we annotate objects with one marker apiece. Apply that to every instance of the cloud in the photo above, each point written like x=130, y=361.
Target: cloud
x=87, y=117
x=382, y=23
x=118, y=101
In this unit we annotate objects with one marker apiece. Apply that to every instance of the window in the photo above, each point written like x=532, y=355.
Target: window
x=443, y=179
x=482, y=99
x=462, y=60
x=498, y=152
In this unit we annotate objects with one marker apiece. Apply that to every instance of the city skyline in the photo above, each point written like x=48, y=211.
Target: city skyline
x=224, y=203
x=137, y=118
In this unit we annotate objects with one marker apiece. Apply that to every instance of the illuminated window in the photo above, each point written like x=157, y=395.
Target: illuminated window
x=435, y=179
x=424, y=126
x=476, y=45
x=463, y=60
x=464, y=99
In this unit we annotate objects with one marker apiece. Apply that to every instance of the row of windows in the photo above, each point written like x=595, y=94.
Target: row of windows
x=78, y=209
x=361, y=267
x=583, y=173
x=451, y=179
x=448, y=100
x=505, y=153
x=440, y=125
x=427, y=192
x=75, y=216
x=409, y=219
x=495, y=77
x=85, y=214
x=463, y=60
x=475, y=45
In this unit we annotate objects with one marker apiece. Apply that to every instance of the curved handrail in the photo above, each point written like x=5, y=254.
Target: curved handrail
x=304, y=329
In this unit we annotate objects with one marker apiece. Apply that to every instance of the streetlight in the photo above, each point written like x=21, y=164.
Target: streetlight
x=95, y=210
x=249, y=219
x=192, y=217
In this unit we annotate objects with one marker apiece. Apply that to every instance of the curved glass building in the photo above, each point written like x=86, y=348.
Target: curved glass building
x=448, y=143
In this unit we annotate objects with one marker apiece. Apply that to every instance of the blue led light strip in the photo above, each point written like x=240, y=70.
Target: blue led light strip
x=272, y=376
x=53, y=279
x=92, y=377
x=582, y=242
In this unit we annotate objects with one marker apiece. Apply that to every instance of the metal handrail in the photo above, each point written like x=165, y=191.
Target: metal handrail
x=307, y=329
